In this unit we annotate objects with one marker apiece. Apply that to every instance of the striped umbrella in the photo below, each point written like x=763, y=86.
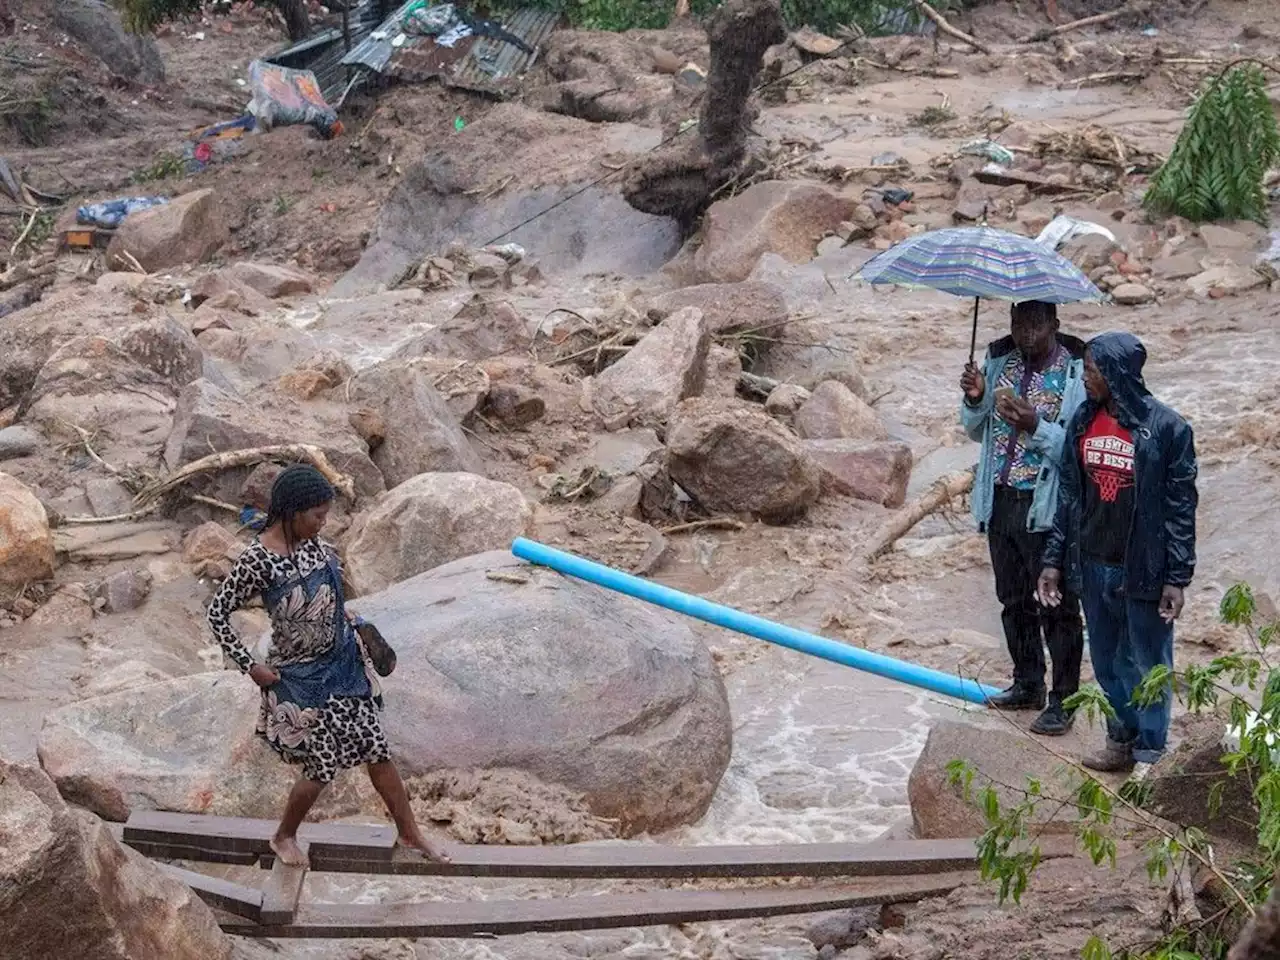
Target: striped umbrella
x=981, y=262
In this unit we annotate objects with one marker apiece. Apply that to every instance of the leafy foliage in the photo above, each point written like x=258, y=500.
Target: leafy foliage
x=870, y=17
x=1229, y=142
x=143, y=16
x=1243, y=687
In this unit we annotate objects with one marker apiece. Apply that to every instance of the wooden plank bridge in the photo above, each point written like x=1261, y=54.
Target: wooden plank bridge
x=870, y=873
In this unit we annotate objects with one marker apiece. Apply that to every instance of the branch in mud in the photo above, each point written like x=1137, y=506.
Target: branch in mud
x=1083, y=23
x=681, y=179
x=934, y=499
x=944, y=26
x=298, y=452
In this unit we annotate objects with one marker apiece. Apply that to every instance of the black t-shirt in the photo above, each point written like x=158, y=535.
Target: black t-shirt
x=1106, y=452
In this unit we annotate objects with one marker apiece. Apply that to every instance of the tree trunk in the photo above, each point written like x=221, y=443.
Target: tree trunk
x=296, y=18
x=680, y=180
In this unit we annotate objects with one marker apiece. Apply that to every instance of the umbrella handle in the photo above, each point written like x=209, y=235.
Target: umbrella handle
x=973, y=339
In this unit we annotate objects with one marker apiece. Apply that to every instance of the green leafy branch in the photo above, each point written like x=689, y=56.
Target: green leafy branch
x=1217, y=168
x=1009, y=852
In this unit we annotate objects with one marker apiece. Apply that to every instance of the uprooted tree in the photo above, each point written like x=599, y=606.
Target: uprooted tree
x=681, y=179
x=142, y=16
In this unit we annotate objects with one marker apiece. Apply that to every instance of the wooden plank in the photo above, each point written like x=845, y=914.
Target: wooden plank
x=359, y=849
x=241, y=901
x=654, y=861
x=509, y=917
x=250, y=837
x=283, y=890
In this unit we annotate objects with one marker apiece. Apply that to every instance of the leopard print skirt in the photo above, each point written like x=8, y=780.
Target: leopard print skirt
x=346, y=732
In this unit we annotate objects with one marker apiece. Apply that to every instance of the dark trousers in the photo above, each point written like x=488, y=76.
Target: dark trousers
x=1029, y=627
x=1127, y=640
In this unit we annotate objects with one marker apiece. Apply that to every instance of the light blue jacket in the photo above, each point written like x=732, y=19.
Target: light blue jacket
x=1047, y=440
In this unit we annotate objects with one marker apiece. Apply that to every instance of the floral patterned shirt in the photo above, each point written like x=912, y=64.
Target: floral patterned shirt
x=1015, y=465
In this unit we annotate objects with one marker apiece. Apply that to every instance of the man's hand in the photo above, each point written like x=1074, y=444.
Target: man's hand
x=973, y=384
x=1019, y=413
x=263, y=675
x=1171, y=603
x=1049, y=589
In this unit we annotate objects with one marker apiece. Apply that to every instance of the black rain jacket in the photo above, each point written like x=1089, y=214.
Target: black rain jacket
x=1162, y=535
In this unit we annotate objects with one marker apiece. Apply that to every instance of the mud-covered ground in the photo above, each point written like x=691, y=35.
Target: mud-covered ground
x=820, y=752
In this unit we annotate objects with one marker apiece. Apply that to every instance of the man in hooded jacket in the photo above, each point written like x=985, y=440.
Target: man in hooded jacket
x=1124, y=536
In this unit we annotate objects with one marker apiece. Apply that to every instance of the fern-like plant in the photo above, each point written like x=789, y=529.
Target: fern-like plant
x=1229, y=142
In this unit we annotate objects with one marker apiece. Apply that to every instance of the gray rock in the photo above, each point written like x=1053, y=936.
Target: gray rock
x=785, y=401
x=732, y=456
x=97, y=25
x=729, y=306
x=108, y=496
x=430, y=520
x=667, y=366
x=834, y=412
x=1132, y=294
x=125, y=591
x=579, y=686
x=19, y=442
x=71, y=890
x=422, y=435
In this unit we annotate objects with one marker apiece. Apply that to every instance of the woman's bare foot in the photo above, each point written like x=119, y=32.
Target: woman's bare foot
x=420, y=844
x=287, y=849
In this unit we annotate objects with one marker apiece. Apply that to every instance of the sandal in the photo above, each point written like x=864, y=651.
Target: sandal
x=380, y=652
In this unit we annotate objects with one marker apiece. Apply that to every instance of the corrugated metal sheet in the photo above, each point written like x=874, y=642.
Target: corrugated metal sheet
x=494, y=67
x=480, y=64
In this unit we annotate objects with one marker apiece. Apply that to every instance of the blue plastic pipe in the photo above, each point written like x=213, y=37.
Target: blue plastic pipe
x=753, y=626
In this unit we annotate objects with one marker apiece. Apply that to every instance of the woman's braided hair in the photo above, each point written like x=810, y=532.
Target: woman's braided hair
x=297, y=489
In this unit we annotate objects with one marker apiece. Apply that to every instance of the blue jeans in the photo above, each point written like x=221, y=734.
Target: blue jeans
x=1127, y=639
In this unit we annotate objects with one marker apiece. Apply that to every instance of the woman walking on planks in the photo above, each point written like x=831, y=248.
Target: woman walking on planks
x=320, y=707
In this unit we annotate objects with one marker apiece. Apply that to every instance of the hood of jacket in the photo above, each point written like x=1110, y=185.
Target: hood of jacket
x=1120, y=358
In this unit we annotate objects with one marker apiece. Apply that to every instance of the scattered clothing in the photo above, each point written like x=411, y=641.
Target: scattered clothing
x=110, y=214
x=324, y=711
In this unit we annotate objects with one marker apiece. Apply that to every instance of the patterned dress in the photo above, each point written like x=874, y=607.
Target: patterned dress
x=324, y=712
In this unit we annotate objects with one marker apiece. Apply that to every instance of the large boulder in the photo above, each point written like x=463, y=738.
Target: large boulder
x=576, y=685
x=786, y=217
x=26, y=543
x=96, y=25
x=834, y=412
x=69, y=889
x=124, y=386
x=879, y=472
x=732, y=456
x=1000, y=758
x=667, y=366
x=187, y=230
x=421, y=435
x=730, y=306
x=210, y=419
x=271, y=280
x=430, y=520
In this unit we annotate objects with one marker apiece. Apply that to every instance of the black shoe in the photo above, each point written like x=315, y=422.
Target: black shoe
x=1019, y=697
x=1056, y=721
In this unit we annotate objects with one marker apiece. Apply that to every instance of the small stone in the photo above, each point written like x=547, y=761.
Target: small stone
x=18, y=442
x=785, y=401
x=108, y=497
x=1132, y=294
x=256, y=489
x=971, y=211
x=209, y=541
x=125, y=591
x=514, y=405
x=370, y=426
x=834, y=412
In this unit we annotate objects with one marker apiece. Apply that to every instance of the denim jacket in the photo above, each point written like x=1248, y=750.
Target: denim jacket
x=1047, y=440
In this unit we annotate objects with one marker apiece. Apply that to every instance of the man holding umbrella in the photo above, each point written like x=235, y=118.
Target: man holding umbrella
x=1017, y=407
